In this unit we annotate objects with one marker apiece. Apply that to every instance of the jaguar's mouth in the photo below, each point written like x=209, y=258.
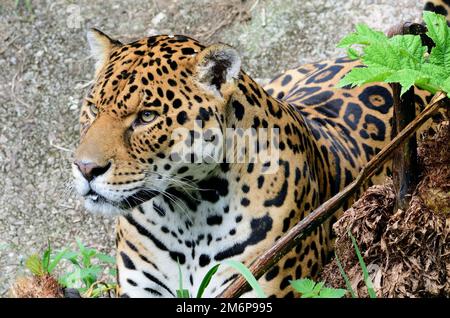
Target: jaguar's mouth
x=128, y=203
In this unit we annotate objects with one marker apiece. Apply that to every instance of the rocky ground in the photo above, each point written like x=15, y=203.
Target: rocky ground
x=45, y=66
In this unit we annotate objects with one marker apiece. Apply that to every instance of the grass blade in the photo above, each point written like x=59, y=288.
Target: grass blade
x=181, y=292
x=46, y=259
x=244, y=271
x=344, y=275
x=206, y=280
x=367, y=280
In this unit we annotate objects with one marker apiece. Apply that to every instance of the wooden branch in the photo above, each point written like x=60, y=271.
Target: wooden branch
x=319, y=215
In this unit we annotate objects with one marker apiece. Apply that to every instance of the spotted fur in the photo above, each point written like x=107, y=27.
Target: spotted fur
x=197, y=215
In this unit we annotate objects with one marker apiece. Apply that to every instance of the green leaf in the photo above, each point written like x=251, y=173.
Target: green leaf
x=245, y=272
x=400, y=52
x=401, y=59
x=81, y=246
x=362, y=75
x=70, y=279
x=407, y=78
x=34, y=264
x=446, y=86
x=46, y=259
x=318, y=287
x=303, y=286
x=206, y=280
x=409, y=50
x=332, y=293
x=363, y=35
x=106, y=258
x=353, y=54
x=112, y=272
x=439, y=32
x=309, y=295
x=367, y=280
x=72, y=256
x=90, y=275
x=182, y=293
x=58, y=257
x=88, y=254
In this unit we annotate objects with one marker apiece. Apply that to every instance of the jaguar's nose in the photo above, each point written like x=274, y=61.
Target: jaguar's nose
x=91, y=170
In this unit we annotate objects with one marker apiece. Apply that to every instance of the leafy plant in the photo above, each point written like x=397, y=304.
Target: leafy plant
x=88, y=267
x=41, y=266
x=310, y=289
x=401, y=59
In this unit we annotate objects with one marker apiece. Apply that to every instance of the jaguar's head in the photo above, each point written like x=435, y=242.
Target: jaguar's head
x=150, y=97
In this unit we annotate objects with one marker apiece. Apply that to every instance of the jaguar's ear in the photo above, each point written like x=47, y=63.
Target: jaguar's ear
x=217, y=65
x=101, y=45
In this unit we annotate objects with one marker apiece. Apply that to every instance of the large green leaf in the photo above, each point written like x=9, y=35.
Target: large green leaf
x=401, y=59
x=439, y=32
x=446, y=85
x=303, y=286
x=363, y=35
x=332, y=293
x=362, y=75
x=407, y=78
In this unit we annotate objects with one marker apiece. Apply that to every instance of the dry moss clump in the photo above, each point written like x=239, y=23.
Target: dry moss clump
x=407, y=252
x=36, y=287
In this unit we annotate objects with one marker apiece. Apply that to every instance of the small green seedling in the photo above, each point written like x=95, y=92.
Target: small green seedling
x=88, y=266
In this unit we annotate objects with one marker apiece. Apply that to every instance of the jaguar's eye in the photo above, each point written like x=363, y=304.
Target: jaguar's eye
x=93, y=109
x=147, y=116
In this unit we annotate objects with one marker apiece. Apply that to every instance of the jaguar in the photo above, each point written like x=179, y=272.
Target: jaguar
x=183, y=208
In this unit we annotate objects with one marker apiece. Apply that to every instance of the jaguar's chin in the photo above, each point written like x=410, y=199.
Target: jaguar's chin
x=98, y=204
x=103, y=207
